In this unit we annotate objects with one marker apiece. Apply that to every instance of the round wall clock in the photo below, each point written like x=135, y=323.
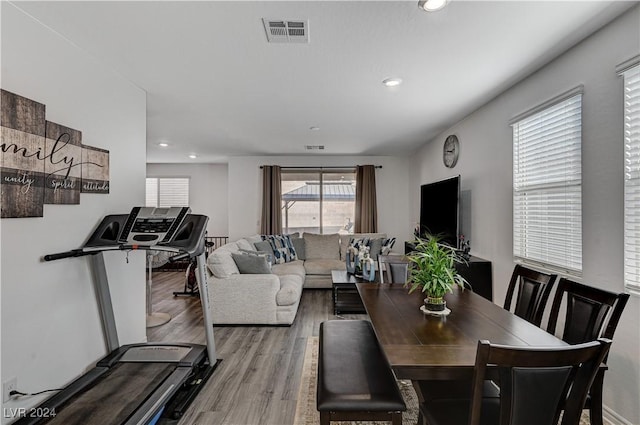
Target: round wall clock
x=450, y=151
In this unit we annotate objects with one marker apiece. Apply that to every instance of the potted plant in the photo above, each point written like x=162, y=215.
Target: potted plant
x=433, y=271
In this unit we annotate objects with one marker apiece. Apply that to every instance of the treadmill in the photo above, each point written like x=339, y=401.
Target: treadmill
x=137, y=384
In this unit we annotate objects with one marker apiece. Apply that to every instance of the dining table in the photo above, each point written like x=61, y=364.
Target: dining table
x=421, y=346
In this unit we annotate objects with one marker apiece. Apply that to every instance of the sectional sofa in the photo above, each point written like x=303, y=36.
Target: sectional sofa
x=262, y=296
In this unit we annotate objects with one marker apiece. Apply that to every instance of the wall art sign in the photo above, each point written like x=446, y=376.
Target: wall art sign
x=42, y=162
x=95, y=170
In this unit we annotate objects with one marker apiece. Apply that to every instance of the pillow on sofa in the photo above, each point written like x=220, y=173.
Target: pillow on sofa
x=322, y=247
x=251, y=264
x=265, y=254
x=283, y=250
x=244, y=244
x=220, y=262
x=298, y=245
x=387, y=244
x=345, y=239
x=263, y=246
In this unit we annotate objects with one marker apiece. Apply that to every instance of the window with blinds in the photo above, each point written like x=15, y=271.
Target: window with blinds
x=167, y=192
x=632, y=178
x=547, y=184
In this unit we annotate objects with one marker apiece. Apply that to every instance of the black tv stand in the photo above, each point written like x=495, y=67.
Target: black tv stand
x=477, y=271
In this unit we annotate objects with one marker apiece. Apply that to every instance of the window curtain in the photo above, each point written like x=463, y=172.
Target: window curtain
x=271, y=221
x=366, y=205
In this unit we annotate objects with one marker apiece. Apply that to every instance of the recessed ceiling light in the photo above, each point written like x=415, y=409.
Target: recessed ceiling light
x=314, y=128
x=163, y=145
x=193, y=156
x=432, y=5
x=392, y=82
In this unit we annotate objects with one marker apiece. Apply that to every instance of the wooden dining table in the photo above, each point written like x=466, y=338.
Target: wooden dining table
x=419, y=346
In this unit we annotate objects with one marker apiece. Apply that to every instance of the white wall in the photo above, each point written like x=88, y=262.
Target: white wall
x=485, y=165
x=392, y=182
x=208, y=193
x=51, y=331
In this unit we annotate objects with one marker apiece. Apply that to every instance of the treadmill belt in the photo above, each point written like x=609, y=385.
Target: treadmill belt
x=116, y=395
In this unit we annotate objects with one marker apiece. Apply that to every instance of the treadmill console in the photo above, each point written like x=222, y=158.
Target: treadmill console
x=152, y=226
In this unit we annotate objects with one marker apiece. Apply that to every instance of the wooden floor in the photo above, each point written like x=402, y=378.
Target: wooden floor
x=257, y=381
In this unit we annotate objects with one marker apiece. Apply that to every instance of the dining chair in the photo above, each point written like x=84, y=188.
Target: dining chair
x=537, y=383
x=393, y=268
x=588, y=311
x=531, y=289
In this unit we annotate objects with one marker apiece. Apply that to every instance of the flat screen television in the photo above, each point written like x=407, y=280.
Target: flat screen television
x=440, y=210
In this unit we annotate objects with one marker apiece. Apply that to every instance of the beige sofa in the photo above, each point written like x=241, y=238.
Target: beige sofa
x=272, y=298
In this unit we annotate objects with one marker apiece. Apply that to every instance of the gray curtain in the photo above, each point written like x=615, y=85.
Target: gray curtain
x=366, y=205
x=271, y=221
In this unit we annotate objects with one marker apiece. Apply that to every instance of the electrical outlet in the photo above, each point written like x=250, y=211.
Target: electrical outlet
x=8, y=386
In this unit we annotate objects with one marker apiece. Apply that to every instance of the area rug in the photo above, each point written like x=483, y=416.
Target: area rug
x=307, y=414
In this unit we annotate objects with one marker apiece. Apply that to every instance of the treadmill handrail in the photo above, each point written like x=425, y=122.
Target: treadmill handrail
x=79, y=252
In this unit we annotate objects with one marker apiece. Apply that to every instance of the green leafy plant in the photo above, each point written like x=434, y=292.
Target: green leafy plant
x=433, y=268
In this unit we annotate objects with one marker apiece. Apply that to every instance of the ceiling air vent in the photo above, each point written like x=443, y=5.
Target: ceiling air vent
x=314, y=147
x=283, y=31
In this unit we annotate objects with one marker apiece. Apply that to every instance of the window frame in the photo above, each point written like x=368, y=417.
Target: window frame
x=630, y=73
x=316, y=172
x=572, y=262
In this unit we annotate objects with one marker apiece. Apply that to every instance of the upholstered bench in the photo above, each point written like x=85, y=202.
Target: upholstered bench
x=355, y=382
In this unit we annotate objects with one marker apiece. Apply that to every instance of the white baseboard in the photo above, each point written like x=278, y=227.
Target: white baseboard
x=612, y=418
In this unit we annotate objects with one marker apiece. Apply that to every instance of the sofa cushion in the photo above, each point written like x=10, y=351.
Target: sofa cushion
x=290, y=268
x=345, y=239
x=323, y=267
x=283, y=250
x=221, y=263
x=322, y=247
x=290, y=290
x=251, y=264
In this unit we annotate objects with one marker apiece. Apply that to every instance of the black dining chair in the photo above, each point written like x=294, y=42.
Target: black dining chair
x=590, y=313
x=531, y=289
x=393, y=268
x=537, y=383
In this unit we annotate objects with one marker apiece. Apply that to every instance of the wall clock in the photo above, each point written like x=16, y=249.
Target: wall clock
x=451, y=151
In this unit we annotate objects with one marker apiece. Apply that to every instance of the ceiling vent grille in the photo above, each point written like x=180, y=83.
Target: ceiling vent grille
x=283, y=31
x=314, y=147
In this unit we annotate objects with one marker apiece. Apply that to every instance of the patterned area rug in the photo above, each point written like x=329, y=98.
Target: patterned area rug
x=307, y=414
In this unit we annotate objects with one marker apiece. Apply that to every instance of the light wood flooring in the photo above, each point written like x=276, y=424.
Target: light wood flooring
x=258, y=378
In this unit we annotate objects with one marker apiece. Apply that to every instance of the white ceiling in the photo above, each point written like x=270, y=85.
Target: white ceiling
x=216, y=88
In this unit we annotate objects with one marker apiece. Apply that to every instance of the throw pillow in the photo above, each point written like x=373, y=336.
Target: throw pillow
x=267, y=255
x=375, y=247
x=298, y=245
x=263, y=246
x=251, y=264
x=387, y=245
x=244, y=244
x=283, y=250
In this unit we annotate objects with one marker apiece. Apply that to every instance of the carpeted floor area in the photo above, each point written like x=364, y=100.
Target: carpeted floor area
x=306, y=413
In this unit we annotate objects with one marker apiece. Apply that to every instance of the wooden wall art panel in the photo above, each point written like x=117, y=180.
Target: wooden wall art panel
x=63, y=168
x=42, y=162
x=22, y=156
x=95, y=170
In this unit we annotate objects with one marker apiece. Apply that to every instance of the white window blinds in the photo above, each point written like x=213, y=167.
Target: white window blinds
x=632, y=178
x=167, y=192
x=547, y=184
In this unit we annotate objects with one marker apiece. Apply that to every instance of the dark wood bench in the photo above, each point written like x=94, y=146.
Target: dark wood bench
x=355, y=382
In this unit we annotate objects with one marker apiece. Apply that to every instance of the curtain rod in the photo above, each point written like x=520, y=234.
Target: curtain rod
x=322, y=168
